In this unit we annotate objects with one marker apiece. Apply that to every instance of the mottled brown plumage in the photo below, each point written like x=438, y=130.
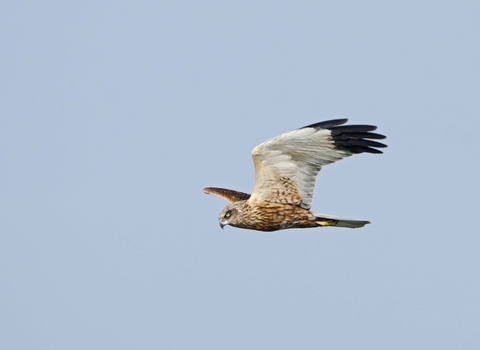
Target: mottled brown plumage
x=286, y=168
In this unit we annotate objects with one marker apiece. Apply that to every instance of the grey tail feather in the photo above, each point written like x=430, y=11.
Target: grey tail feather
x=328, y=220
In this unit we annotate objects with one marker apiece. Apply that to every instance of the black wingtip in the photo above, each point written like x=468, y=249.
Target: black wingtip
x=352, y=138
x=357, y=138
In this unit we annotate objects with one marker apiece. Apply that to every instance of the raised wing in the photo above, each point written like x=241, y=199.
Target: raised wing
x=286, y=167
x=229, y=195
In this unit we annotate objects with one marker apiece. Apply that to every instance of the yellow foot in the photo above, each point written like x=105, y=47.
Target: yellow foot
x=326, y=222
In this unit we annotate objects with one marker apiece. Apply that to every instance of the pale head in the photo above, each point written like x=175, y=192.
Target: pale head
x=231, y=215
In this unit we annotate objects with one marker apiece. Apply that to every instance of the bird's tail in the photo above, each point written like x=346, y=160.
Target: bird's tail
x=327, y=220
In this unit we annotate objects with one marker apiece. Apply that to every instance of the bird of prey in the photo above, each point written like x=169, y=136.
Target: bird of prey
x=286, y=169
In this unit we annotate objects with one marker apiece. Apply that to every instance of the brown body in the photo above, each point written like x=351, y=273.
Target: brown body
x=267, y=215
x=274, y=216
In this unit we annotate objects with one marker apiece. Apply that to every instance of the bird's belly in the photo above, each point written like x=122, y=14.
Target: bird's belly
x=275, y=216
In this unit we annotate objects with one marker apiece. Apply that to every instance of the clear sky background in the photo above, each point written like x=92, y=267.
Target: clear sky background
x=114, y=115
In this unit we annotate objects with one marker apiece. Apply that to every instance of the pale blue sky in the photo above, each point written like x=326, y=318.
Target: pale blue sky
x=115, y=115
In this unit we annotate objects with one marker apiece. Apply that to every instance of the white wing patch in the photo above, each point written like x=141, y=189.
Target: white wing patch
x=286, y=167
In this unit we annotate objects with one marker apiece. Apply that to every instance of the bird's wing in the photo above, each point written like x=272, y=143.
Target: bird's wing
x=286, y=167
x=229, y=195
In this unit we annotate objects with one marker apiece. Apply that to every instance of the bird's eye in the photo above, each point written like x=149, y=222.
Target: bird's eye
x=228, y=213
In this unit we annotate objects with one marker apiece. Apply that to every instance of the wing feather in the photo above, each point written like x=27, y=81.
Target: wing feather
x=286, y=166
x=229, y=195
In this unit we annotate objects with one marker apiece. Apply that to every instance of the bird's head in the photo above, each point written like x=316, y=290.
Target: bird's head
x=231, y=215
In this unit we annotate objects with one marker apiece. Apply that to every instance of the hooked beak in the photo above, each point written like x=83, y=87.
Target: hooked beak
x=221, y=225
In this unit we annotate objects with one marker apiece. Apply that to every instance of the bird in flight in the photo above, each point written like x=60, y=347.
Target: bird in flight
x=286, y=169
